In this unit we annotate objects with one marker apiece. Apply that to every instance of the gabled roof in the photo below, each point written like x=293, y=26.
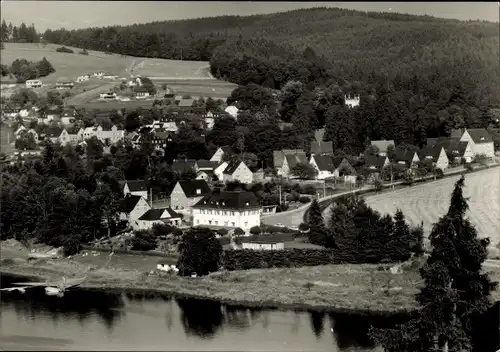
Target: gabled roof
x=324, y=162
x=452, y=146
x=375, y=160
x=206, y=164
x=279, y=156
x=321, y=147
x=382, y=145
x=190, y=186
x=433, y=151
x=404, y=155
x=182, y=166
x=294, y=159
x=162, y=135
x=159, y=214
x=480, y=135
x=232, y=166
x=236, y=200
x=128, y=203
x=136, y=185
x=227, y=149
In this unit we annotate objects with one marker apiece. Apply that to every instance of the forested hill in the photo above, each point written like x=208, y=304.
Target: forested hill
x=422, y=53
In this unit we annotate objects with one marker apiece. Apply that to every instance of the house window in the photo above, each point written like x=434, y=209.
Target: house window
x=225, y=223
x=233, y=223
x=210, y=222
x=246, y=223
x=232, y=214
x=216, y=222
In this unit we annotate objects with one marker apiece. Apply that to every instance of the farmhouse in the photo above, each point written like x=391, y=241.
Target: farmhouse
x=136, y=188
x=158, y=216
x=141, y=93
x=480, y=141
x=237, y=171
x=382, y=146
x=228, y=209
x=108, y=96
x=259, y=245
x=113, y=134
x=286, y=159
x=436, y=155
x=132, y=208
x=220, y=152
x=186, y=193
x=33, y=83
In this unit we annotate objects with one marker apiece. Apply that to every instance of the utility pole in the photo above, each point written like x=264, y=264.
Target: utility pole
x=181, y=54
x=151, y=197
x=324, y=188
x=392, y=183
x=279, y=188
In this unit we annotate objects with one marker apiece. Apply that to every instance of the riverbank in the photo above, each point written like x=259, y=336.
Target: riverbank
x=360, y=289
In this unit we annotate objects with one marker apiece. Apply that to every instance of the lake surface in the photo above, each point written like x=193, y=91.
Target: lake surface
x=91, y=320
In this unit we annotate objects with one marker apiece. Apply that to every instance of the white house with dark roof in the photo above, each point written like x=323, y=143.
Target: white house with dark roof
x=228, y=209
x=286, y=159
x=186, y=193
x=132, y=207
x=136, y=188
x=158, y=216
x=237, y=170
x=328, y=166
x=480, y=140
x=382, y=146
x=435, y=155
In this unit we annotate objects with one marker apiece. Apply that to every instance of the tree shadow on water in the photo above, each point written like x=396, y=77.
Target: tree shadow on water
x=317, y=323
x=200, y=318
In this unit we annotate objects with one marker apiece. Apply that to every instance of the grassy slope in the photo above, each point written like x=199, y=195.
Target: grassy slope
x=430, y=201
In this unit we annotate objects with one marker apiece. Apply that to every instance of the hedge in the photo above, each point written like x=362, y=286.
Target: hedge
x=244, y=259
x=277, y=236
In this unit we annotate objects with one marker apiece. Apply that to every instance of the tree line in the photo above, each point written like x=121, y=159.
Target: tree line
x=24, y=70
x=22, y=34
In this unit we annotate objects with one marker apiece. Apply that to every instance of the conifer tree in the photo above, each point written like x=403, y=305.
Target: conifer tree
x=455, y=290
x=401, y=232
x=317, y=230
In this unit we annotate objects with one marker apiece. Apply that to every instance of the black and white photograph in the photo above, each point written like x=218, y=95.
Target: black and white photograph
x=250, y=176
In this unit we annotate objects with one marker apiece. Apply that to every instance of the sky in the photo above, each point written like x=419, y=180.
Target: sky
x=82, y=14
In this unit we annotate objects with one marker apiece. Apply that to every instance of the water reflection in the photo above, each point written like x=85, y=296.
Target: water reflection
x=317, y=323
x=202, y=318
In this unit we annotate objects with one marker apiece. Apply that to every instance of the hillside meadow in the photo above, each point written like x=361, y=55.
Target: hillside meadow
x=428, y=202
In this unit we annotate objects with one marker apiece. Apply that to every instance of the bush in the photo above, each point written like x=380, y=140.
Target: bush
x=71, y=246
x=144, y=241
x=303, y=227
x=222, y=232
x=439, y=173
x=200, y=252
x=177, y=232
x=255, y=230
x=83, y=52
x=63, y=49
x=304, y=199
x=244, y=259
x=377, y=184
x=469, y=167
x=238, y=231
x=159, y=230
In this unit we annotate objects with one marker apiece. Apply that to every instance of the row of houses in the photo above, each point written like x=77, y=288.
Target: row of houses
x=206, y=207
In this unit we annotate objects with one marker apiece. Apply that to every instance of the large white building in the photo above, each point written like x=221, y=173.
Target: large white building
x=480, y=141
x=114, y=134
x=228, y=209
x=33, y=83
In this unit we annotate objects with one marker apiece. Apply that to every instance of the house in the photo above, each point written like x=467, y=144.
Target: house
x=65, y=84
x=141, y=93
x=232, y=111
x=480, y=140
x=351, y=101
x=33, y=83
x=207, y=175
x=69, y=137
x=436, y=155
x=186, y=193
x=382, y=146
x=109, y=77
x=284, y=160
x=108, y=96
x=136, y=188
x=220, y=152
x=236, y=170
x=376, y=162
x=99, y=74
x=82, y=78
x=219, y=170
x=456, y=150
x=259, y=245
x=209, y=121
x=160, y=139
x=113, y=134
x=158, y=216
x=68, y=120
x=228, y=209
x=407, y=158
x=206, y=165
x=131, y=208
x=328, y=166
x=180, y=166
x=318, y=148
x=258, y=176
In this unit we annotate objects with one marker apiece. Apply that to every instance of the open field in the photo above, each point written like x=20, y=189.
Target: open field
x=116, y=104
x=66, y=65
x=428, y=202
x=171, y=68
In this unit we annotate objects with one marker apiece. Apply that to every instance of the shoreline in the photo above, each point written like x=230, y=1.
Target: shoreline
x=178, y=287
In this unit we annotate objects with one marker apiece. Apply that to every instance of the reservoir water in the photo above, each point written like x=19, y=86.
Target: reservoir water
x=92, y=320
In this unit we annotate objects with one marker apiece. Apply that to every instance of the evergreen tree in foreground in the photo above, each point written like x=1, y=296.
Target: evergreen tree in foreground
x=455, y=291
x=317, y=230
